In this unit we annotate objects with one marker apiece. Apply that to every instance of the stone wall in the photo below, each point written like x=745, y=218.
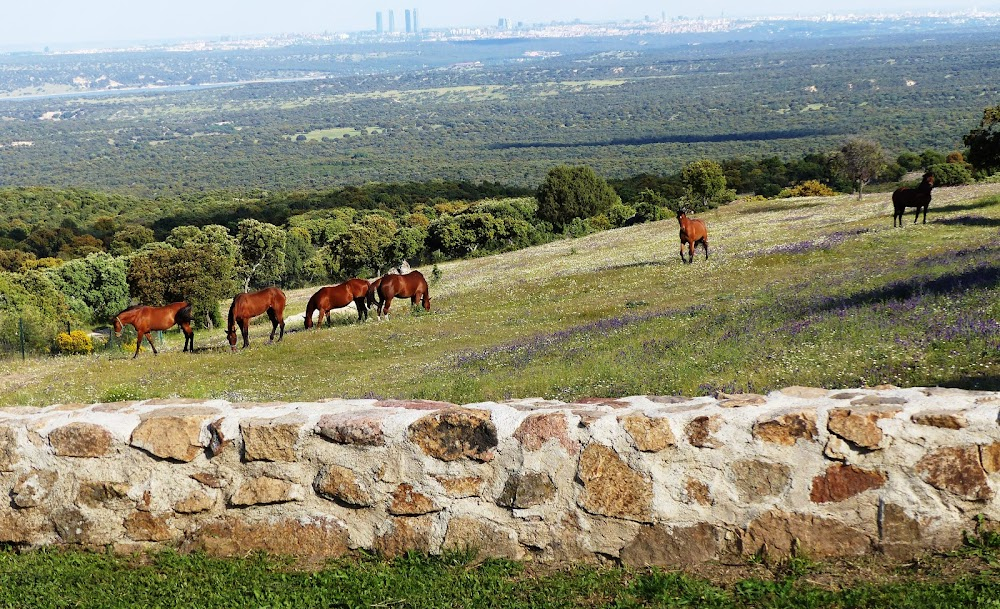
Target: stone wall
x=644, y=480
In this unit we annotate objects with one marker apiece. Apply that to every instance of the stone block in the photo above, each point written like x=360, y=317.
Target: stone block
x=80, y=440
x=859, y=426
x=343, y=485
x=405, y=501
x=314, y=538
x=357, y=428
x=649, y=434
x=611, y=487
x=841, y=482
x=456, y=433
x=268, y=440
x=537, y=429
x=958, y=470
x=700, y=429
x=787, y=429
x=527, y=490
x=672, y=546
x=757, y=481
x=172, y=433
x=266, y=490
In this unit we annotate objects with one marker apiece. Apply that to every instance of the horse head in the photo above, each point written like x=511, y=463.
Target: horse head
x=231, y=337
x=427, y=301
x=117, y=326
x=929, y=180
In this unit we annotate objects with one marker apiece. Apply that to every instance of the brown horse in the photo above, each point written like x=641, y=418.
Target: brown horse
x=337, y=296
x=145, y=319
x=919, y=197
x=247, y=306
x=693, y=232
x=411, y=285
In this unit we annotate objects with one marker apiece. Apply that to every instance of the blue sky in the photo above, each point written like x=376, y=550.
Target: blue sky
x=61, y=23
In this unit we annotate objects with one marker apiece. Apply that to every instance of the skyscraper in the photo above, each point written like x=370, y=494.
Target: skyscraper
x=416, y=28
x=392, y=22
x=409, y=22
x=378, y=22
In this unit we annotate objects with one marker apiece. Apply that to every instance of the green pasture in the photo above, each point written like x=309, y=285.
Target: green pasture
x=818, y=291
x=53, y=578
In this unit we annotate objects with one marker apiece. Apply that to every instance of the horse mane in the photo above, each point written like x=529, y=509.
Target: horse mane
x=232, y=316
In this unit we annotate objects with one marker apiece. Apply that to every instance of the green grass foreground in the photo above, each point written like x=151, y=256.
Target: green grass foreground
x=816, y=291
x=57, y=579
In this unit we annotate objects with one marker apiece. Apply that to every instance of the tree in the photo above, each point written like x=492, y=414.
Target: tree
x=262, y=252
x=573, y=192
x=298, y=251
x=706, y=184
x=131, y=238
x=95, y=287
x=859, y=161
x=364, y=248
x=984, y=143
x=197, y=273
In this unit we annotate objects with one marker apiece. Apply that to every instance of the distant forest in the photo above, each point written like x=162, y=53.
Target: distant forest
x=416, y=113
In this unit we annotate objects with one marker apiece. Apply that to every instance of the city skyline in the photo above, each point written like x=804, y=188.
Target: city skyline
x=65, y=23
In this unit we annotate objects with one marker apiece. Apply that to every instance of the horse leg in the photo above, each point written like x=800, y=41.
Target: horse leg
x=704, y=244
x=682, y=252
x=138, y=343
x=359, y=304
x=149, y=339
x=925, y=214
x=691, y=252
x=245, y=331
x=274, y=323
x=385, y=309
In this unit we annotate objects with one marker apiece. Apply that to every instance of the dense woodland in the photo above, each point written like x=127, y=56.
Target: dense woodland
x=154, y=197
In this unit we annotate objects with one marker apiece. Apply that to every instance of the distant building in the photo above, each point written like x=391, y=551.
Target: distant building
x=409, y=22
x=392, y=22
x=378, y=22
x=416, y=27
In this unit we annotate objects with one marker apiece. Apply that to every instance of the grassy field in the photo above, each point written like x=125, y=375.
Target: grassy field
x=818, y=291
x=51, y=578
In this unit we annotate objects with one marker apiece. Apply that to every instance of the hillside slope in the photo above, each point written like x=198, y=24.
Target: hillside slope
x=818, y=291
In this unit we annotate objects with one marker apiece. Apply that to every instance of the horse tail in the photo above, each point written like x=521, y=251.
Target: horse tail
x=310, y=309
x=185, y=315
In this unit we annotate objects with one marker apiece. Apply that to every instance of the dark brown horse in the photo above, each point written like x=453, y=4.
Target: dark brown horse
x=337, y=296
x=247, y=306
x=693, y=232
x=370, y=299
x=919, y=197
x=411, y=285
x=145, y=319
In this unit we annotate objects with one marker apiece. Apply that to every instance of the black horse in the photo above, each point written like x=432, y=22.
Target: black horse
x=912, y=197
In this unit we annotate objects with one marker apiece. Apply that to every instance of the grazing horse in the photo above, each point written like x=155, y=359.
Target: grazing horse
x=693, y=232
x=411, y=285
x=144, y=319
x=912, y=197
x=337, y=296
x=247, y=306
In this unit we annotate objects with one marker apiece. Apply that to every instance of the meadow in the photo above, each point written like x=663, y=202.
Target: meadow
x=809, y=291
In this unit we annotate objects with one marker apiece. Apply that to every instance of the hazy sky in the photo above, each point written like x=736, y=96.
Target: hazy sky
x=59, y=23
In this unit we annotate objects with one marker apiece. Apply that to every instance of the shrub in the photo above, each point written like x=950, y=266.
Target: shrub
x=809, y=188
x=950, y=174
x=620, y=213
x=76, y=342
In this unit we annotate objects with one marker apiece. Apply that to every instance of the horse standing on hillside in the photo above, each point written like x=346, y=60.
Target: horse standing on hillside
x=912, y=197
x=246, y=306
x=145, y=319
x=693, y=232
x=412, y=285
x=337, y=296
